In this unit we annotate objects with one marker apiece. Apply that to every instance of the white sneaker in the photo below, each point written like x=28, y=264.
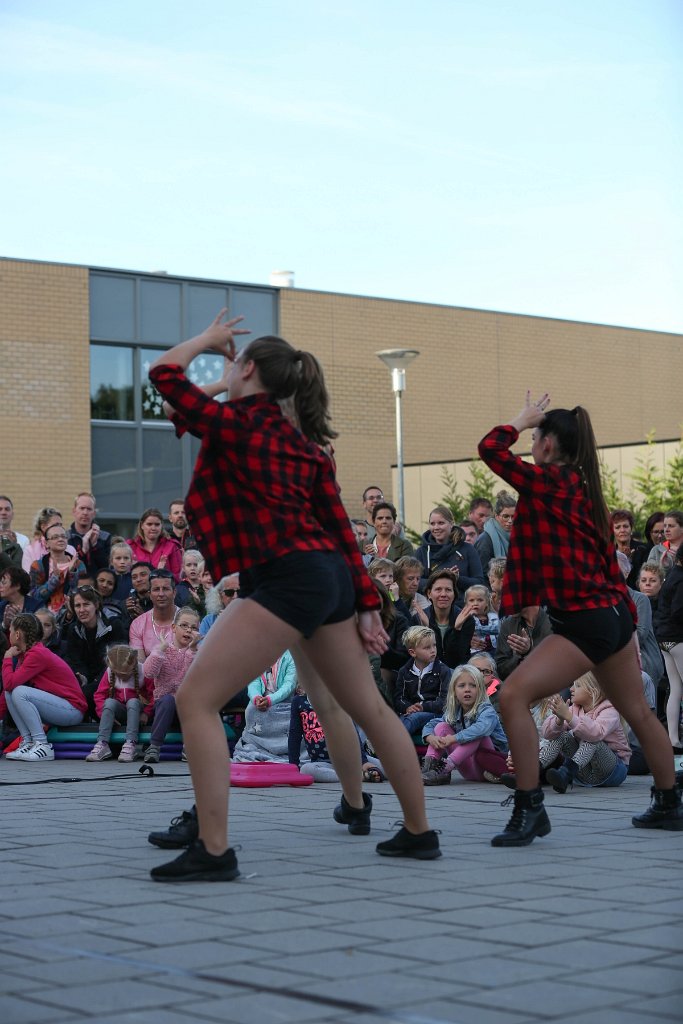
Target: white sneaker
x=18, y=754
x=100, y=752
x=40, y=752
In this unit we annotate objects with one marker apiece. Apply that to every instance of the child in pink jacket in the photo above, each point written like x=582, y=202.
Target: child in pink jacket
x=167, y=665
x=589, y=734
x=122, y=696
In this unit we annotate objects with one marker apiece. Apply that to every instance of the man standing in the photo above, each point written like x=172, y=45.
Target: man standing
x=371, y=496
x=480, y=510
x=148, y=630
x=91, y=543
x=179, y=528
x=6, y=517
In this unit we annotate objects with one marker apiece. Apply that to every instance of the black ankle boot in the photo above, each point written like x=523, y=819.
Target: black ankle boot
x=358, y=821
x=528, y=819
x=562, y=777
x=665, y=811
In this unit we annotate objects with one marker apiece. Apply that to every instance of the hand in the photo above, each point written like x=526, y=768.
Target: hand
x=478, y=643
x=561, y=708
x=10, y=611
x=12, y=652
x=466, y=613
x=162, y=562
x=440, y=742
x=196, y=639
x=261, y=703
x=372, y=633
x=220, y=337
x=519, y=643
x=394, y=591
x=413, y=708
x=368, y=549
x=532, y=414
x=71, y=565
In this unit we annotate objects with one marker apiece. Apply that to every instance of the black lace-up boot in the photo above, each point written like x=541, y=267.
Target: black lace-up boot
x=664, y=812
x=527, y=821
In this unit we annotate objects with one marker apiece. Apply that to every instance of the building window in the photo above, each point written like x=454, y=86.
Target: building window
x=136, y=458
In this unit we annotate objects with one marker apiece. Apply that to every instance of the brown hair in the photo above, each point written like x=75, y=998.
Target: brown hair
x=573, y=432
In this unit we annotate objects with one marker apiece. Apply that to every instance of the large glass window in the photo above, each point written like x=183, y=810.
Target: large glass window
x=111, y=383
x=137, y=459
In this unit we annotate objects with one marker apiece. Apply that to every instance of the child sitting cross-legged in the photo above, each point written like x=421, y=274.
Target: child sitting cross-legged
x=469, y=737
x=167, y=665
x=421, y=684
x=589, y=735
x=121, y=696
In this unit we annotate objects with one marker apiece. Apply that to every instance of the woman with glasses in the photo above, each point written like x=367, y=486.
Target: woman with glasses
x=218, y=599
x=494, y=540
x=56, y=574
x=87, y=639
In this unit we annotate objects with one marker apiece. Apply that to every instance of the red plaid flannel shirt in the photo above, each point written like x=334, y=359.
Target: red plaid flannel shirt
x=556, y=554
x=260, y=489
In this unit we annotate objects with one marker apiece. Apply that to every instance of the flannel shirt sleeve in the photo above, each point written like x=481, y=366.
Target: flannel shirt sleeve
x=331, y=514
x=193, y=408
x=494, y=450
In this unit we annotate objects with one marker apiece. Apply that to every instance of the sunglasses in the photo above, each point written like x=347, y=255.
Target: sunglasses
x=229, y=593
x=161, y=574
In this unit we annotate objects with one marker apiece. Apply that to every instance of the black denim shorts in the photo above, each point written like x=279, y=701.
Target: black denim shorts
x=305, y=589
x=598, y=632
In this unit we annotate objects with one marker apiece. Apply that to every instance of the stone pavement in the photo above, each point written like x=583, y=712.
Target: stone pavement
x=584, y=925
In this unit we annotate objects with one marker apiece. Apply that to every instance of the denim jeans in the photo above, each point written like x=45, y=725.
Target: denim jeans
x=30, y=707
x=618, y=775
x=416, y=719
x=129, y=713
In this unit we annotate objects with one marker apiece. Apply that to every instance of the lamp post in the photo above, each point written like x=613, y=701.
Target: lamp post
x=397, y=359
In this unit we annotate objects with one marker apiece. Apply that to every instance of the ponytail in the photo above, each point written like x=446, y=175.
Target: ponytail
x=288, y=373
x=576, y=443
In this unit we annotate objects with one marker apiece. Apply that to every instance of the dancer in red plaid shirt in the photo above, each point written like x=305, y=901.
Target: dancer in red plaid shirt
x=264, y=501
x=561, y=554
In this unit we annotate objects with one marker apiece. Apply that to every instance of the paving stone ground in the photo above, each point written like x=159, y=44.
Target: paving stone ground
x=584, y=925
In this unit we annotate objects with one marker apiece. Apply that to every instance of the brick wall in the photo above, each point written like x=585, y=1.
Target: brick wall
x=473, y=371
x=44, y=387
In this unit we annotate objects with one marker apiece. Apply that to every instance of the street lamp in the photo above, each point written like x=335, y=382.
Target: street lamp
x=397, y=359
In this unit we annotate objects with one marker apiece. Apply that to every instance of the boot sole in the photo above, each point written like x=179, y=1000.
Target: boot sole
x=199, y=876
x=556, y=781
x=502, y=840
x=170, y=844
x=666, y=826
x=414, y=854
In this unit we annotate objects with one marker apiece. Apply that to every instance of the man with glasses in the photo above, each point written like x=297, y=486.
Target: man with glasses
x=148, y=630
x=228, y=591
x=371, y=496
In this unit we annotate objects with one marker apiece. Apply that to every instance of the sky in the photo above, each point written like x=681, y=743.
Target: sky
x=515, y=155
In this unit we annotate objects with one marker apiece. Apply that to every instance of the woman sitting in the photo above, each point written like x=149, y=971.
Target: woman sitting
x=14, y=595
x=38, y=687
x=219, y=598
x=665, y=553
x=385, y=543
x=494, y=540
x=408, y=575
x=87, y=639
x=37, y=548
x=444, y=547
x=56, y=574
x=453, y=625
x=153, y=544
x=622, y=523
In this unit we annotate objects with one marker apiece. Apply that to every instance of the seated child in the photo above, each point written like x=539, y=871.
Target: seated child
x=167, y=665
x=487, y=666
x=422, y=683
x=121, y=561
x=305, y=726
x=486, y=621
x=469, y=737
x=190, y=591
x=121, y=696
x=52, y=637
x=267, y=717
x=589, y=735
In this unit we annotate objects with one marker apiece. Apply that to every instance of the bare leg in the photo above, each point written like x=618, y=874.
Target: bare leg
x=622, y=684
x=551, y=666
x=238, y=647
x=340, y=734
x=673, y=660
x=338, y=656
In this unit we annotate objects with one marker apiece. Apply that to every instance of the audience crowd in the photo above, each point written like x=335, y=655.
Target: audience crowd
x=100, y=629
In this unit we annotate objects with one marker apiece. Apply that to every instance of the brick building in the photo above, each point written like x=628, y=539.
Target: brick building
x=77, y=410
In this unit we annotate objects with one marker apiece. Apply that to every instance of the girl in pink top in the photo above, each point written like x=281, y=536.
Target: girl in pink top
x=39, y=687
x=589, y=734
x=167, y=665
x=122, y=696
x=152, y=544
